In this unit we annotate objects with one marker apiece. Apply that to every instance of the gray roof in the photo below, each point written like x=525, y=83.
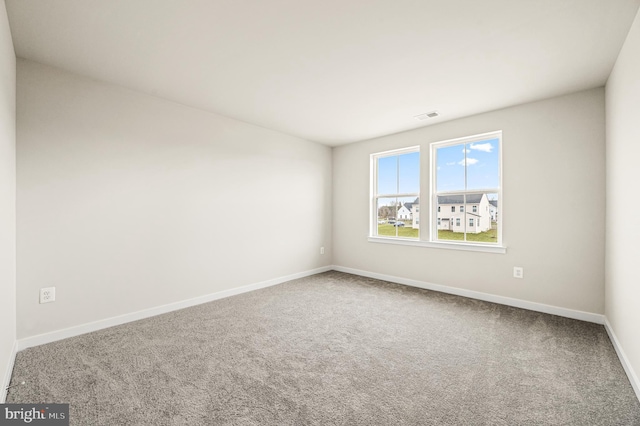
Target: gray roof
x=409, y=205
x=494, y=203
x=458, y=199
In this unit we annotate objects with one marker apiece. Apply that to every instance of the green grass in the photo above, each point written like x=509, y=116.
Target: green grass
x=405, y=231
x=491, y=236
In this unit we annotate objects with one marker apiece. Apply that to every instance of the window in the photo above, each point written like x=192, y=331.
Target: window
x=396, y=183
x=463, y=200
x=467, y=171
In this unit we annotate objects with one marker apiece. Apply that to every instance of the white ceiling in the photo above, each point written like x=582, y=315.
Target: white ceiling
x=332, y=71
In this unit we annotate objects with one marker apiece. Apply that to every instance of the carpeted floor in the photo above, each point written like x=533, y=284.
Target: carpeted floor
x=335, y=349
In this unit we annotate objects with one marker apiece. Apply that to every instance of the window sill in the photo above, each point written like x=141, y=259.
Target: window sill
x=440, y=244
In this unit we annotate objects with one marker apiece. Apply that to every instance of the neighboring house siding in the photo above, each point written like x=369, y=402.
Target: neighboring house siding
x=404, y=213
x=485, y=213
x=445, y=224
x=456, y=220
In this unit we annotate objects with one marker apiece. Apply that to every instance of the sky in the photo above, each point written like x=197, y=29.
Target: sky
x=482, y=165
x=407, y=181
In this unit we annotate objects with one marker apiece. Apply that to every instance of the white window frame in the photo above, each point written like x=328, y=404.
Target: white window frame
x=373, y=190
x=433, y=199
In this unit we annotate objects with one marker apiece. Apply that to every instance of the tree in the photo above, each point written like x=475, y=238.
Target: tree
x=385, y=212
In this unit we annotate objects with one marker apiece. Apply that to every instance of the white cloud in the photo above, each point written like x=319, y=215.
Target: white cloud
x=470, y=162
x=465, y=151
x=453, y=163
x=484, y=147
x=439, y=167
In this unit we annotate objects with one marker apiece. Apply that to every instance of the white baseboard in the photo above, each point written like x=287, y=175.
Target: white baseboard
x=7, y=375
x=631, y=374
x=53, y=336
x=518, y=303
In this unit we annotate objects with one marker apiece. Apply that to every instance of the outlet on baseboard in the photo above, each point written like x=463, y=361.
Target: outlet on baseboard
x=518, y=272
x=47, y=295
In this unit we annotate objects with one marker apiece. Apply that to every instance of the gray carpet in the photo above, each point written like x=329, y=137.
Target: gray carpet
x=336, y=349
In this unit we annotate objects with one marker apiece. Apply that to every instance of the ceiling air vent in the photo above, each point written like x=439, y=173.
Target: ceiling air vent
x=426, y=115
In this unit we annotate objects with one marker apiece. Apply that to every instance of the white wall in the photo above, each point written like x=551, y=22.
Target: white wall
x=623, y=231
x=553, y=208
x=127, y=201
x=7, y=199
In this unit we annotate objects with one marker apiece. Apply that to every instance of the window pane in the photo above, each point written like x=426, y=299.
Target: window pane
x=451, y=221
x=450, y=170
x=388, y=175
x=387, y=210
x=483, y=169
x=397, y=217
x=409, y=181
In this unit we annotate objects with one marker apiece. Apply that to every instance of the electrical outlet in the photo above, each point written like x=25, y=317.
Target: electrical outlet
x=47, y=295
x=321, y=250
x=518, y=272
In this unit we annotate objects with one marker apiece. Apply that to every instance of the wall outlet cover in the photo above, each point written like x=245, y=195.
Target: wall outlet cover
x=518, y=272
x=47, y=295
